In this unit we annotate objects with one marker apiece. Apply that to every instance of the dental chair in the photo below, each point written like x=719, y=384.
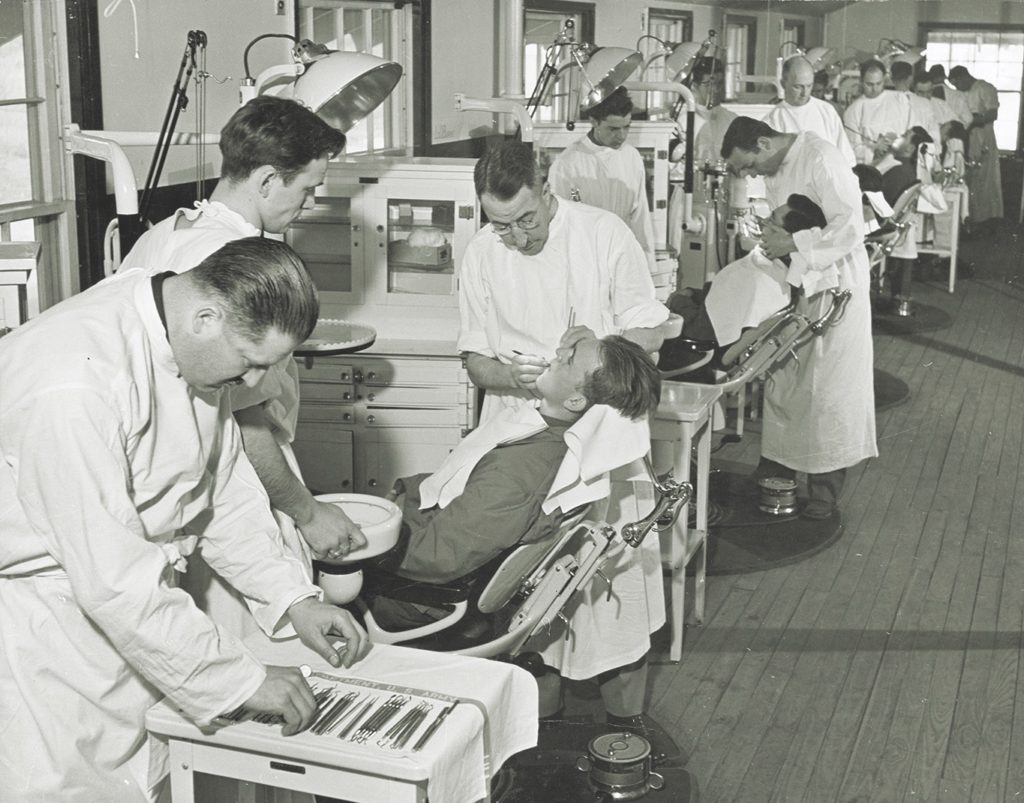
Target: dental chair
x=495, y=610
x=893, y=234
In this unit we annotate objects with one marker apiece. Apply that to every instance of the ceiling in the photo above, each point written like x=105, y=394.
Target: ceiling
x=816, y=8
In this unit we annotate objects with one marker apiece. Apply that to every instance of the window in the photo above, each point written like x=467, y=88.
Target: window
x=543, y=21
x=793, y=34
x=380, y=29
x=993, y=55
x=664, y=27
x=36, y=233
x=740, y=40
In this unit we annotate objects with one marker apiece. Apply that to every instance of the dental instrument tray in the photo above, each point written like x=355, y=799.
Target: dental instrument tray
x=381, y=716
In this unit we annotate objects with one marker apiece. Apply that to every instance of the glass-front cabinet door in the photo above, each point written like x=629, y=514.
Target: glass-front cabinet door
x=327, y=237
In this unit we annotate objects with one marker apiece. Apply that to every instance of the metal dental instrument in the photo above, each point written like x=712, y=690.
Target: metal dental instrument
x=433, y=726
x=355, y=719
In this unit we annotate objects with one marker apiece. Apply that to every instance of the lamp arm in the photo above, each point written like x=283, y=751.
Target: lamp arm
x=88, y=143
x=272, y=74
x=501, y=106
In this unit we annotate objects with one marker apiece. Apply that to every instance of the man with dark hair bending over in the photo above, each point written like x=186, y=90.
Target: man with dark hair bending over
x=819, y=409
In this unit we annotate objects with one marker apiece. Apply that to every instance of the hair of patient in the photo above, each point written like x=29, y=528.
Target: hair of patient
x=627, y=380
x=508, y=167
x=275, y=131
x=261, y=284
x=803, y=214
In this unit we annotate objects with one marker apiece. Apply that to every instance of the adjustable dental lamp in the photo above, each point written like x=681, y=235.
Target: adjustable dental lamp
x=341, y=87
x=893, y=50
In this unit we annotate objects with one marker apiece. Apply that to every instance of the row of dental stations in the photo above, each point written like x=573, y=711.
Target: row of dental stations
x=522, y=309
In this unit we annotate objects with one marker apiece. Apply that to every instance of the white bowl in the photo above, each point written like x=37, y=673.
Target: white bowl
x=379, y=519
x=340, y=589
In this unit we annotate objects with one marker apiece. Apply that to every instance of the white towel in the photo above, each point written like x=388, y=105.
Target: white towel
x=879, y=204
x=600, y=442
x=931, y=201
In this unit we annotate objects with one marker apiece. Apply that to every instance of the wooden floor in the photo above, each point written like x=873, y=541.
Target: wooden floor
x=887, y=667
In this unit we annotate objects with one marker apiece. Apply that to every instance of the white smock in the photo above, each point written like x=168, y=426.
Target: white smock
x=609, y=178
x=867, y=119
x=816, y=116
x=921, y=113
x=508, y=301
x=177, y=244
x=984, y=181
x=110, y=465
x=960, y=105
x=745, y=293
x=820, y=410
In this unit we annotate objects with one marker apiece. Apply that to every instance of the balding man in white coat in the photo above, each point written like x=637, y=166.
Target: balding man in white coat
x=799, y=111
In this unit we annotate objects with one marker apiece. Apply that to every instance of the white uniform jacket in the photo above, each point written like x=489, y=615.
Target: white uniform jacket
x=820, y=409
x=867, y=119
x=179, y=243
x=815, y=116
x=591, y=265
x=609, y=178
x=108, y=462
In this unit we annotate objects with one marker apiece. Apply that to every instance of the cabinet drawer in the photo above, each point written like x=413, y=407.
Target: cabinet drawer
x=397, y=417
x=449, y=396
x=321, y=369
x=420, y=372
x=324, y=452
x=327, y=392
x=325, y=412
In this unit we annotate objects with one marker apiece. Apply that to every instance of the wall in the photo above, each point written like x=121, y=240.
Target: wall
x=136, y=91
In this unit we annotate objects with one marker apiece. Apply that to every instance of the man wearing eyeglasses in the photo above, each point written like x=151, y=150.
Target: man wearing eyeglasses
x=545, y=272
x=602, y=169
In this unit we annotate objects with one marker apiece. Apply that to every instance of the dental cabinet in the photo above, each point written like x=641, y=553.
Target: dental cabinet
x=383, y=243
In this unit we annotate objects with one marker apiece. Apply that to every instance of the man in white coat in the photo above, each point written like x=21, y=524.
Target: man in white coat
x=984, y=182
x=800, y=111
x=875, y=119
x=603, y=170
x=275, y=154
x=118, y=449
x=920, y=111
x=547, y=271
x=819, y=409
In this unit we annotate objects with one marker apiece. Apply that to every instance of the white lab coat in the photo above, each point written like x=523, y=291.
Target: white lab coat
x=609, y=178
x=179, y=243
x=984, y=182
x=591, y=265
x=816, y=116
x=867, y=119
x=109, y=466
x=820, y=408
x=921, y=113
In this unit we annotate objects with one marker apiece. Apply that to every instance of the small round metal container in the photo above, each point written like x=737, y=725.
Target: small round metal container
x=619, y=765
x=778, y=496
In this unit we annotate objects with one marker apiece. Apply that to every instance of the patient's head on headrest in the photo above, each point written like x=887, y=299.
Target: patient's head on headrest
x=799, y=213
x=628, y=380
x=587, y=371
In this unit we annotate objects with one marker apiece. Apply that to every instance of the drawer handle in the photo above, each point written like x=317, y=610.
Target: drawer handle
x=371, y=376
x=370, y=419
x=346, y=396
x=345, y=483
x=371, y=397
x=346, y=416
x=357, y=376
x=280, y=765
x=372, y=483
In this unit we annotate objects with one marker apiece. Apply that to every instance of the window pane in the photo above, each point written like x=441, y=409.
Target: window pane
x=12, y=51
x=1005, y=125
x=15, y=168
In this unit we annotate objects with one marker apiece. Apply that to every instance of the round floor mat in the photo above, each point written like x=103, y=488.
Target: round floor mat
x=745, y=539
x=890, y=390
x=925, y=318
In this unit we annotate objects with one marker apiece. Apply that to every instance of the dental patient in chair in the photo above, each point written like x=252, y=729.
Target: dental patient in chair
x=500, y=504
x=742, y=295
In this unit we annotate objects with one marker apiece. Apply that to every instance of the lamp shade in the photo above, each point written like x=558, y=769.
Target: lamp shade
x=343, y=87
x=606, y=70
x=821, y=57
x=681, y=58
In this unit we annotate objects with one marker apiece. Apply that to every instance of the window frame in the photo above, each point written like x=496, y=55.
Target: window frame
x=925, y=28
x=52, y=213
x=587, y=13
x=750, y=57
x=658, y=102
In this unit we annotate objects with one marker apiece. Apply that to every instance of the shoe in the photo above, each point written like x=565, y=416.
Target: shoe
x=663, y=747
x=818, y=510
